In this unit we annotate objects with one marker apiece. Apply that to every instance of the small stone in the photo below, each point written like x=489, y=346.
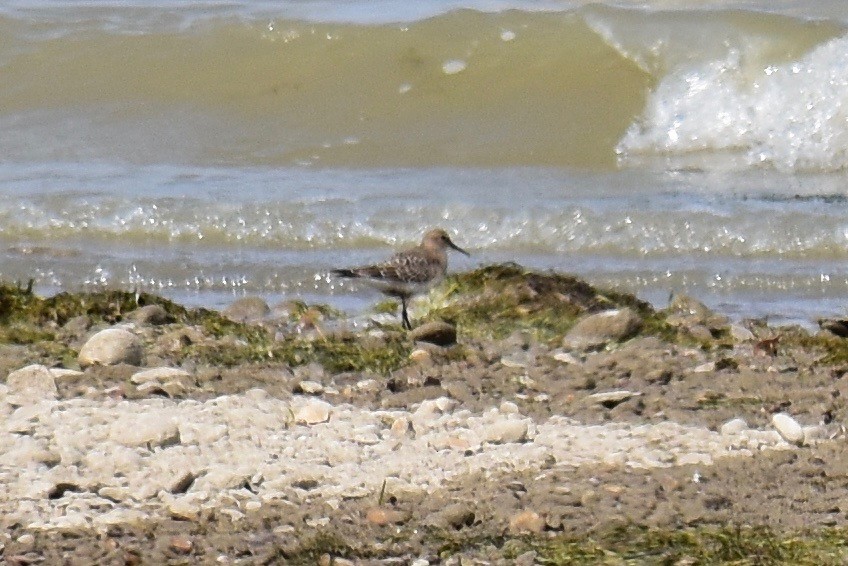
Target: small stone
x=247, y=309
x=184, y=508
x=454, y=516
x=146, y=430
x=438, y=333
x=526, y=522
x=420, y=355
x=150, y=315
x=788, y=428
x=110, y=347
x=386, y=516
x=733, y=427
x=699, y=332
x=515, y=361
x=32, y=383
x=182, y=545
x=598, y=330
x=740, y=333
x=400, y=427
x=158, y=375
x=566, y=358
x=507, y=431
x=314, y=412
x=705, y=368
x=610, y=399
x=309, y=387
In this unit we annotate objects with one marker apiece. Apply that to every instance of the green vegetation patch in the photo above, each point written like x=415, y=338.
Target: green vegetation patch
x=833, y=349
x=728, y=545
x=496, y=300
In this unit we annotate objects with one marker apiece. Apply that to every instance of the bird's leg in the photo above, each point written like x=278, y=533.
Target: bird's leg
x=404, y=317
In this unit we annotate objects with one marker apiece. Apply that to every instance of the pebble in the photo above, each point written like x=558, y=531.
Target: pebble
x=314, y=412
x=30, y=384
x=598, y=330
x=507, y=430
x=184, y=508
x=309, y=387
x=110, y=347
x=610, y=399
x=180, y=544
x=740, y=333
x=153, y=315
x=566, y=358
x=158, y=375
x=420, y=355
x=788, y=428
x=733, y=427
x=146, y=430
x=386, y=516
x=526, y=522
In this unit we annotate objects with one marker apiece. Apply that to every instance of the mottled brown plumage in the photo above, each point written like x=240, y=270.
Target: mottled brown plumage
x=410, y=272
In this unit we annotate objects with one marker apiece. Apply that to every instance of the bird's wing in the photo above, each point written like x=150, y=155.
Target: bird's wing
x=406, y=267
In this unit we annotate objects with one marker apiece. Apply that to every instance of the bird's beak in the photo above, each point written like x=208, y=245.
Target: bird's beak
x=457, y=248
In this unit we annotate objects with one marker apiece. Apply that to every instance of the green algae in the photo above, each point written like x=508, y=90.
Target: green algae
x=736, y=545
x=631, y=545
x=497, y=300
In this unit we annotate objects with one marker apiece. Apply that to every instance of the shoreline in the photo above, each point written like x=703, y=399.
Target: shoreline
x=524, y=413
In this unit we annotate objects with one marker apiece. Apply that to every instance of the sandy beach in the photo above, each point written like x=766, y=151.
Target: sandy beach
x=527, y=418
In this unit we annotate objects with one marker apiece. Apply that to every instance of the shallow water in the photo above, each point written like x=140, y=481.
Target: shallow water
x=227, y=149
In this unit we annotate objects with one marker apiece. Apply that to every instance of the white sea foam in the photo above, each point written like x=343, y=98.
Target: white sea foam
x=792, y=116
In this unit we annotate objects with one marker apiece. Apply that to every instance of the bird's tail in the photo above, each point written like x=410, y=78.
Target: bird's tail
x=344, y=273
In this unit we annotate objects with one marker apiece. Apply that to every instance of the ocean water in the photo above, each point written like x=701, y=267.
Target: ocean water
x=218, y=149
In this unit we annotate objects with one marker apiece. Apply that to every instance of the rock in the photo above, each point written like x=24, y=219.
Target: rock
x=705, y=368
x=507, y=430
x=148, y=430
x=565, y=358
x=247, y=309
x=740, y=333
x=62, y=374
x=733, y=427
x=610, y=399
x=171, y=381
x=110, y=347
x=526, y=522
x=158, y=375
x=420, y=356
x=401, y=427
x=309, y=387
x=184, y=509
x=382, y=516
x=455, y=516
x=597, y=330
x=699, y=332
x=32, y=383
x=151, y=315
x=314, y=412
x=439, y=333
x=181, y=544
x=788, y=428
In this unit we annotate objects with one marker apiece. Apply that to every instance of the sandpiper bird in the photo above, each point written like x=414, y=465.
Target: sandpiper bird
x=410, y=272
